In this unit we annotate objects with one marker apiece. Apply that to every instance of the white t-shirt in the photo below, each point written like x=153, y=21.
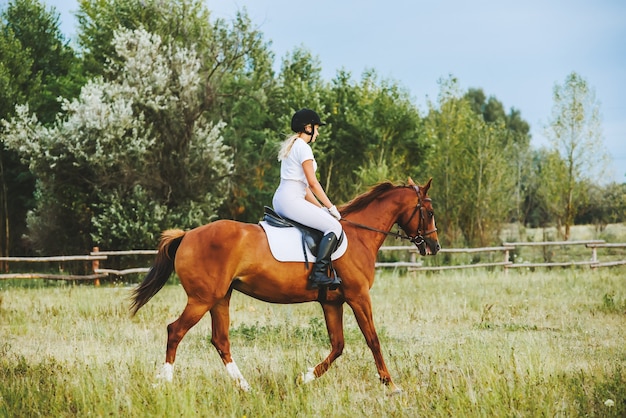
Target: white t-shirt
x=291, y=166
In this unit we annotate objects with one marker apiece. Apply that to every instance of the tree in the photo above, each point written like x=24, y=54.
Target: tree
x=516, y=141
x=537, y=201
x=133, y=155
x=575, y=134
x=550, y=178
x=394, y=133
x=51, y=70
x=606, y=205
x=16, y=184
x=376, y=135
x=247, y=100
x=237, y=69
x=36, y=67
x=343, y=142
x=475, y=188
x=184, y=22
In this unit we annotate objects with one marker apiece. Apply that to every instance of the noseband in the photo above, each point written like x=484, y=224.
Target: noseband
x=418, y=238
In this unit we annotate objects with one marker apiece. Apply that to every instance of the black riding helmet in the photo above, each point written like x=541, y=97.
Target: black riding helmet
x=305, y=117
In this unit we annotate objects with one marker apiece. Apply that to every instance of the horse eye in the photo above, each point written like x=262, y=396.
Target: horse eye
x=431, y=213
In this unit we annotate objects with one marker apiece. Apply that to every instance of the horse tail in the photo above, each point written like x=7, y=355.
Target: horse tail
x=160, y=271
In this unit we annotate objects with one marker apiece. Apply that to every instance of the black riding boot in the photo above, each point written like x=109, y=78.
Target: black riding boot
x=320, y=275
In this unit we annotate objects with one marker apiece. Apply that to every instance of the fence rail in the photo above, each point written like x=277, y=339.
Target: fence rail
x=506, y=249
x=97, y=273
x=60, y=258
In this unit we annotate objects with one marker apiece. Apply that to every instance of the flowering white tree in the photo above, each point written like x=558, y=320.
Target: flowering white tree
x=135, y=153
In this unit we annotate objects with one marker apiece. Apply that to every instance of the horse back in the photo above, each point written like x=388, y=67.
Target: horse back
x=229, y=245
x=219, y=237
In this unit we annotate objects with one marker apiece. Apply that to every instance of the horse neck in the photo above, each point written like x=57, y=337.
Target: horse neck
x=381, y=214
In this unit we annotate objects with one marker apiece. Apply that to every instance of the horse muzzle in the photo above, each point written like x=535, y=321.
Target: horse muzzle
x=432, y=247
x=426, y=246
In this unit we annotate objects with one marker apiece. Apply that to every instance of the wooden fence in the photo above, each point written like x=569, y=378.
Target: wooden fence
x=506, y=250
x=93, y=258
x=502, y=253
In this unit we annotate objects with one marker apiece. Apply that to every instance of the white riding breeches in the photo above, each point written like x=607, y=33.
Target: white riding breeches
x=289, y=201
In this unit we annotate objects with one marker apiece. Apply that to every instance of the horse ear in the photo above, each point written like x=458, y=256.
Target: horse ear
x=411, y=182
x=427, y=186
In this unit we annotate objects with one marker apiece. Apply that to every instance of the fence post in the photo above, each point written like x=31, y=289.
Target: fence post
x=506, y=260
x=95, y=265
x=594, y=256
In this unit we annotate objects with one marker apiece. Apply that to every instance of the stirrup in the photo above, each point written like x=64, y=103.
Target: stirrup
x=331, y=282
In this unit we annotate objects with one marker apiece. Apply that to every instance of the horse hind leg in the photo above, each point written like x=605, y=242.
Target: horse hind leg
x=220, y=321
x=193, y=312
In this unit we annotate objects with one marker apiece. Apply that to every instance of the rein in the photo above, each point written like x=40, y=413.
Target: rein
x=418, y=238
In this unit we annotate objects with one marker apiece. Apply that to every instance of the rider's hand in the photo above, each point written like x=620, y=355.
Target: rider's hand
x=333, y=211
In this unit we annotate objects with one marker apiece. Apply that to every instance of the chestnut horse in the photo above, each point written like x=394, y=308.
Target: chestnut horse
x=215, y=259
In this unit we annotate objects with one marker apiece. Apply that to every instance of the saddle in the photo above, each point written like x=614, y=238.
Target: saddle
x=311, y=237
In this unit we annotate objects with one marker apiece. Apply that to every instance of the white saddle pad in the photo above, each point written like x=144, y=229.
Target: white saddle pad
x=286, y=244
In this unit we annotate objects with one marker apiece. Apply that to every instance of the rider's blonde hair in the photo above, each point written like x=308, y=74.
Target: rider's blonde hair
x=285, y=147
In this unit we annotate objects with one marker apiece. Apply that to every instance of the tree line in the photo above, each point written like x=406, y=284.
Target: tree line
x=158, y=116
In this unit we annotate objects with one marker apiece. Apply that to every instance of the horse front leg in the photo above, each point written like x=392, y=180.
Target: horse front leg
x=220, y=321
x=362, y=308
x=333, y=314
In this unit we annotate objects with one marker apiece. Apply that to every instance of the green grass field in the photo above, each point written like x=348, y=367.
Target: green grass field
x=468, y=343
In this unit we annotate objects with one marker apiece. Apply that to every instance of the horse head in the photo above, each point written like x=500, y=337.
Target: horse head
x=418, y=222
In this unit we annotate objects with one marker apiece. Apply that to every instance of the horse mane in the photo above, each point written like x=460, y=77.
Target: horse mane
x=363, y=200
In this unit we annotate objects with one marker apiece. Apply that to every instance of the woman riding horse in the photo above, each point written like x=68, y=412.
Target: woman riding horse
x=215, y=259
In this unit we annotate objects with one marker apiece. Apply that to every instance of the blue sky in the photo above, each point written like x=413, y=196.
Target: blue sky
x=515, y=51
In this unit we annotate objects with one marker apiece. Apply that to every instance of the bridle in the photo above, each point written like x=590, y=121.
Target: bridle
x=419, y=238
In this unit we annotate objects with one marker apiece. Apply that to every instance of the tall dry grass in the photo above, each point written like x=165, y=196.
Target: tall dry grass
x=469, y=343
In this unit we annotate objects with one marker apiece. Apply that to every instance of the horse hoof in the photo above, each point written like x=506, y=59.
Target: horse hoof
x=307, y=377
x=166, y=373
x=244, y=386
x=395, y=391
